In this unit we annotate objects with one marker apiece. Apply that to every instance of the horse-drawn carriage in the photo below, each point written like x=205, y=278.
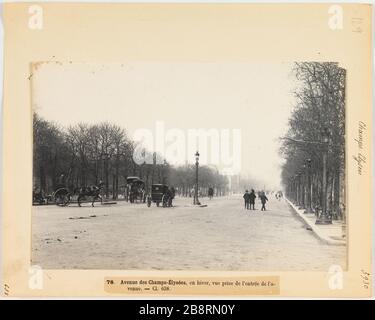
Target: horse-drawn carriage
x=160, y=194
x=135, y=190
x=63, y=196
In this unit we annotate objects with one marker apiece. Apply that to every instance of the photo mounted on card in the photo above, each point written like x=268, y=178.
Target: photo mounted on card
x=187, y=150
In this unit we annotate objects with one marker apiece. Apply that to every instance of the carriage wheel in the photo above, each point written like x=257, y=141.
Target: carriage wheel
x=62, y=200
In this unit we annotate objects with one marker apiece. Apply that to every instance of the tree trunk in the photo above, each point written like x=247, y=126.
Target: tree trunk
x=42, y=179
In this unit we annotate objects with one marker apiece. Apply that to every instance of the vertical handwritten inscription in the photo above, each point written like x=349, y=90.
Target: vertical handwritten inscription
x=360, y=158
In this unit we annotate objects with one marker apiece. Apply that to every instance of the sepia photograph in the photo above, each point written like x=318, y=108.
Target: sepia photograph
x=187, y=150
x=196, y=166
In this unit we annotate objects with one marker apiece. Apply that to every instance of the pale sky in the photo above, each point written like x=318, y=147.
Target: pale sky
x=255, y=98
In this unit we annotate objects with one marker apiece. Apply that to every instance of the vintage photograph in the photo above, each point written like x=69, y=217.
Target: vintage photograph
x=187, y=150
x=189, y=166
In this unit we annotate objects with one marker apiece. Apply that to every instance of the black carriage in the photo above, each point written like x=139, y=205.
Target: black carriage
x=135, y=190
x=160, y=194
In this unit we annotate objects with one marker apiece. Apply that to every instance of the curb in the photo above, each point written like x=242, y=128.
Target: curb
x=315, y=229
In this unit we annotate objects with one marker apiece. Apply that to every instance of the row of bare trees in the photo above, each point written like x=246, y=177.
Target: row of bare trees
x=317, y=131
x=183, y=178
x=87, y=154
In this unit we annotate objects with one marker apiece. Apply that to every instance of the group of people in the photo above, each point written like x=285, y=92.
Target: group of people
x=250, y=197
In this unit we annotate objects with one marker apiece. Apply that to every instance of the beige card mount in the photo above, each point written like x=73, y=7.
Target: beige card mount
x=187, y=149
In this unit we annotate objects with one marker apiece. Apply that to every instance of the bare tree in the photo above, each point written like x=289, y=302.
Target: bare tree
x=320, y=107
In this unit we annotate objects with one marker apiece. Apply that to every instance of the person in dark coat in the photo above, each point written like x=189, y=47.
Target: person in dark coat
x=246, y=197
x=210, y=192
x=169, y=196
x=173, y=192
x=263, y=199
x=252, y=198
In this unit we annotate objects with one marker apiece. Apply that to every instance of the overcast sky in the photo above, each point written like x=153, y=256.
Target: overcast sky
x=254, y=98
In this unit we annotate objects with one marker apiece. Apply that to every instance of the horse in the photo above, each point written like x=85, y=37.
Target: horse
x=137, y=193
x=93, y=192
x=167, y=198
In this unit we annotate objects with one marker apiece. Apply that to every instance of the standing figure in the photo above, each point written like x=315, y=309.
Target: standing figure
x=173, y=192
x=263, y=199
x=246, y=197
x=252, y=198
x=210, y=192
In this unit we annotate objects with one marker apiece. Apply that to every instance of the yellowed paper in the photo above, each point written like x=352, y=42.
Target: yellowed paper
x=183, y=66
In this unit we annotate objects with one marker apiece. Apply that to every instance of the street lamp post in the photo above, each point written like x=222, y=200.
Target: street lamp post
x=300, y=189
x=303, y=186
x=308, y=168
x=196, y=200
x=324, y=218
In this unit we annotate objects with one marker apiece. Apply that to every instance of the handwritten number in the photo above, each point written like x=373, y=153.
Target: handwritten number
x=6, y=290
x=365, y=278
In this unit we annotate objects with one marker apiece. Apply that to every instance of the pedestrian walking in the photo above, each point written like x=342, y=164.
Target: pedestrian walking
x=210, y=192
x=252, y=198
x=263, y=199
x=246, y=197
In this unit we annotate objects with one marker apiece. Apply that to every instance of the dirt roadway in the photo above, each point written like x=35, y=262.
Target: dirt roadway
x=221, y=236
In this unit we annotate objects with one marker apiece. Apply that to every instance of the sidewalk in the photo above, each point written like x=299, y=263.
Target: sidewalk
x=330, y=234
